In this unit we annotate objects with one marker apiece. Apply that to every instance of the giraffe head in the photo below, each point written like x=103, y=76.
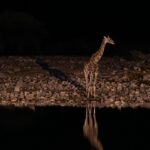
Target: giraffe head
x=109, y=40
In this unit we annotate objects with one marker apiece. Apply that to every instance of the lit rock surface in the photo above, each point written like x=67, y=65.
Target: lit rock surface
x=26, y=81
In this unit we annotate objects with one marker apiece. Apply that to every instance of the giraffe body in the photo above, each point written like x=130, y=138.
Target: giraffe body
x=91, y=68
x=91, y=72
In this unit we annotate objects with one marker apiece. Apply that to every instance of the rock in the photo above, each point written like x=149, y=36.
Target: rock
x=146, y=77
x=125, y=77
x=125, y=69
x=63, y=94
x=111, y=100
x=136, y=68
x=111, y=105
x=122, y=60
x=119, y=87
x=26, y=93
x=76, y=94
x=2, y=75
x=117, y=103
x=123, y=103
x=17, y=69
x=38, y=93
x=139, y=99
x=11, y=95
x=14, y=100
x=8, y=95
x=133, y=85
x=4, y=102
x=108, y=102
x=113, y=89
x=142, y=85
x=18, y=85
x=30, y=96
x=137, y=93
x=122, y=98
x=21, y=95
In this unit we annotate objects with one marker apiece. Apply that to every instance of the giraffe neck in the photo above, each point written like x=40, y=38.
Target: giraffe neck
x=98, y=55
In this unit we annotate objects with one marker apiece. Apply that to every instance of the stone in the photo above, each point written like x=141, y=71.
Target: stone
x=136, y=68
x=119, y=87
x=30, y=96
x=14, y=99
x=17, y=69
x=26, y=93
x=117, y=103
x=2, y=75
x=18, y=85
x=21, y=95
x=146, y=77
x=63, y=93
x=137, y=92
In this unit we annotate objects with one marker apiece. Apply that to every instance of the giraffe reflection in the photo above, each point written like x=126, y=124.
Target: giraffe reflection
x=90, y=128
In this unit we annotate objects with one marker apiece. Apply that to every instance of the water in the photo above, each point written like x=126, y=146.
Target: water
x=62, y=128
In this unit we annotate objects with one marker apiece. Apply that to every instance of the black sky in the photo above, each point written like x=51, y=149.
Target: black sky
x=87, y=22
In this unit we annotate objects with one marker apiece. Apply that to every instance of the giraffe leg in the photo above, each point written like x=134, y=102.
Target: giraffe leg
x=88, y=91
x=94, y=84
x=88, y=87
x=86, y=78
x=91, y=83
x=86, y=81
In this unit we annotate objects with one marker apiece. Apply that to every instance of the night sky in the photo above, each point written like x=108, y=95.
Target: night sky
x=73, y=28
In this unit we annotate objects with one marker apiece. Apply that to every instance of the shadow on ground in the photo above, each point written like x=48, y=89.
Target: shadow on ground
x=58, y=74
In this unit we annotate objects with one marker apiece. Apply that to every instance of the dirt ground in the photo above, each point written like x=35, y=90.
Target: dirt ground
x=59, y=80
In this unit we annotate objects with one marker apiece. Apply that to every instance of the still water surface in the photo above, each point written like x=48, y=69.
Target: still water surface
x=63, y=128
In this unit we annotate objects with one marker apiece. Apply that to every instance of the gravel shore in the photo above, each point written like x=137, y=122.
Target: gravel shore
x=59, y=80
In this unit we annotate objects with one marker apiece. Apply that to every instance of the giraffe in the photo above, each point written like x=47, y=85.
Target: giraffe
x=90, y=128
x=91, y=68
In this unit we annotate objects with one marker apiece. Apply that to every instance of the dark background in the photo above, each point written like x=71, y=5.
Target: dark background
x=28, y=27
x=73, y=28
x=62, y=128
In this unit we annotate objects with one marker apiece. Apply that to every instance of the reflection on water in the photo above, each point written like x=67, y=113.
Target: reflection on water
x=62, y=128
x=90, y=128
